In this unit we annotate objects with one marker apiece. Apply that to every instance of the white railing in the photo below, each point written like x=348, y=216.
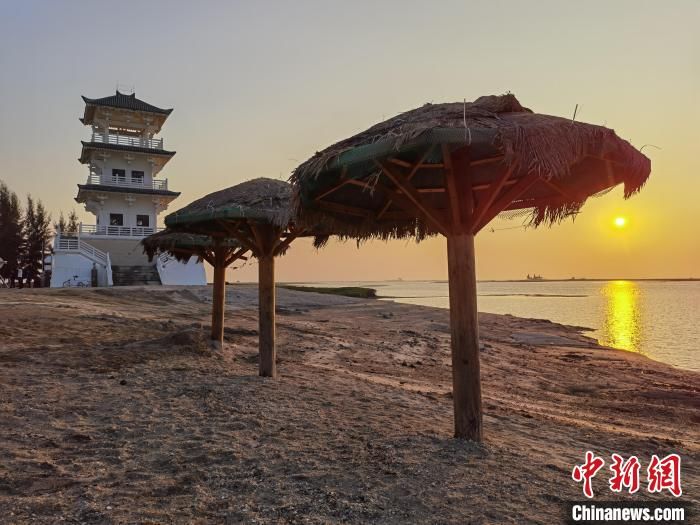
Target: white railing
x=116, y=231
x=75, y=244
x=127, y=140
x=128, y=182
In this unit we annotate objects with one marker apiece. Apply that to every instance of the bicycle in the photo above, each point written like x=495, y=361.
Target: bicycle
x=74, y=283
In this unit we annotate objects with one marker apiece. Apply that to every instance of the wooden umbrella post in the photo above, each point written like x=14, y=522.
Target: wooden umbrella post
x=266, y=290
x=464, y=326
x=219, y=296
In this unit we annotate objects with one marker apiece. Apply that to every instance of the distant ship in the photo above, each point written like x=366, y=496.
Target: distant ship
x=534, y=277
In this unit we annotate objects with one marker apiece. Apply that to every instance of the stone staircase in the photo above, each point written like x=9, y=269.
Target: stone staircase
x=135, y=275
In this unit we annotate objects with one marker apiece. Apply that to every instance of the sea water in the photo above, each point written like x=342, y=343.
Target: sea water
x=659, y=319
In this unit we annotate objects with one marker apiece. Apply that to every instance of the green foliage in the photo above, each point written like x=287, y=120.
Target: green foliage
x=67, y=226
x=61, y=224
x=11, y=238
x=37, y=237
x=347, y=291
x=72, y=225
x=25, y=239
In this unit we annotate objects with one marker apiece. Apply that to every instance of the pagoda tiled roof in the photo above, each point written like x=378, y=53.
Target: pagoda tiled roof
x=122, y=101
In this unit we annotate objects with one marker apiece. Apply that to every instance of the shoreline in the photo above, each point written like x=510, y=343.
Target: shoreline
x=114, y=409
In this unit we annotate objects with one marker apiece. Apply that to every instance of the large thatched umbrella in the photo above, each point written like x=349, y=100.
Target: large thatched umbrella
x=219, y=252
x=256, y=214
x=449, y=169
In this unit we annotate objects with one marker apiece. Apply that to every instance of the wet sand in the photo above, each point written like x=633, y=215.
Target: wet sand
x=114, y=409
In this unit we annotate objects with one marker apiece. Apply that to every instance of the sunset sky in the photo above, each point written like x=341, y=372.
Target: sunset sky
x=258, y=87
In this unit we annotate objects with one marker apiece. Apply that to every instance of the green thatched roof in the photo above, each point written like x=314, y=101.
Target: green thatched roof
x=345, y=188
x=259, y=200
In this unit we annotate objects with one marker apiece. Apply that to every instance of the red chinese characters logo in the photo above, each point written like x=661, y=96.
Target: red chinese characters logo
x=625, y=474
x=665, y=474
x=587, y=471
x=662, y=474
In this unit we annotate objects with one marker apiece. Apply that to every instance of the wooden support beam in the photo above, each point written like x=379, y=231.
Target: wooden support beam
x=414, y=169
x=514, y=192
x=451, y=185
x=490, y=195
x=488, y=160
x=342, y=208
x=422, y=165
x=237, y=231
x=266, y=315
x=459, y=188
x=283, y=244
x=332, y=189
x=218, y=296
x=235, y=255
x=464, y=328
x=414, y=197
x=561, y=191
x=480, y=187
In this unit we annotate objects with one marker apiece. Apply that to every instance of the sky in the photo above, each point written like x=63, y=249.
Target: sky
x=258, y=87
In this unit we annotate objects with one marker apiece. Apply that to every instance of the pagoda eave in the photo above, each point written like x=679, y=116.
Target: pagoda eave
x=89, y=189
x=89, y=147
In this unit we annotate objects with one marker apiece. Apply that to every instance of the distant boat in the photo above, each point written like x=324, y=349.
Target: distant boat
x=534, y=277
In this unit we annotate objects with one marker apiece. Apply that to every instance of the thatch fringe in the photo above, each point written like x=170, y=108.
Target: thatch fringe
x=181, y=245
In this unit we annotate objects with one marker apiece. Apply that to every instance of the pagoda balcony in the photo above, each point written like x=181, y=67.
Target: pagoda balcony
x=127, y=140
x=96, y=230
x=128, y=182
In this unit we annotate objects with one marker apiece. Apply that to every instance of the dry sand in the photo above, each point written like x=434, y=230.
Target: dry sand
x=114, y=410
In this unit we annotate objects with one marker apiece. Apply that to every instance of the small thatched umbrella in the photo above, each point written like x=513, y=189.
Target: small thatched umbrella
x=219, y=252
x=450, y=169
x=256, y=214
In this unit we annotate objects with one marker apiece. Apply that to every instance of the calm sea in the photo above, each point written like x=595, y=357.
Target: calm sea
x=660, y=319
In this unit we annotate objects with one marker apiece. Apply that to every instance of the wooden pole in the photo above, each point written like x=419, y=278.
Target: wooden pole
x=219, y=296
x=464, y=325
x=466, y=374
x=266, y=291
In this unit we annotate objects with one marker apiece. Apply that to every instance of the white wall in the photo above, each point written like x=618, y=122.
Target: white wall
x=66, y=265
x=116, y=160
x=188, y=274
x=117, y=203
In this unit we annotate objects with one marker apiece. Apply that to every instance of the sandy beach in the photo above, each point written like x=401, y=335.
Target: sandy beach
x=114, y=409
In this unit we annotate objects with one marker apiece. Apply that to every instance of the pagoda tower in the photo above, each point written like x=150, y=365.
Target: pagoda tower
x=123, y=191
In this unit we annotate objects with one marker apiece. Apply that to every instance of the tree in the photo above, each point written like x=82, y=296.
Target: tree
x=67, y=226
x=72, y=222
x=11, y=239
x=37, y=236
x=61, y=224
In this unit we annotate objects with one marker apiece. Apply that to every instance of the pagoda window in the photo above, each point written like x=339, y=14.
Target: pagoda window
x=137, y=177
x=118, y=175
x=143, y=221
x=116, y=219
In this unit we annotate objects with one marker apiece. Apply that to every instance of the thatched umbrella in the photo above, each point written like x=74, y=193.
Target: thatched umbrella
x=256, y=214
x=183, y=246
x=449, y=169
x=219, y=252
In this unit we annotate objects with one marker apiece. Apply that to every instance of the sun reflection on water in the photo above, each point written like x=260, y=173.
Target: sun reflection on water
x=622, y=326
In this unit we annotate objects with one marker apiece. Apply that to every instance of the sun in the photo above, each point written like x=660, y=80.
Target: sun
x=620, y=222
